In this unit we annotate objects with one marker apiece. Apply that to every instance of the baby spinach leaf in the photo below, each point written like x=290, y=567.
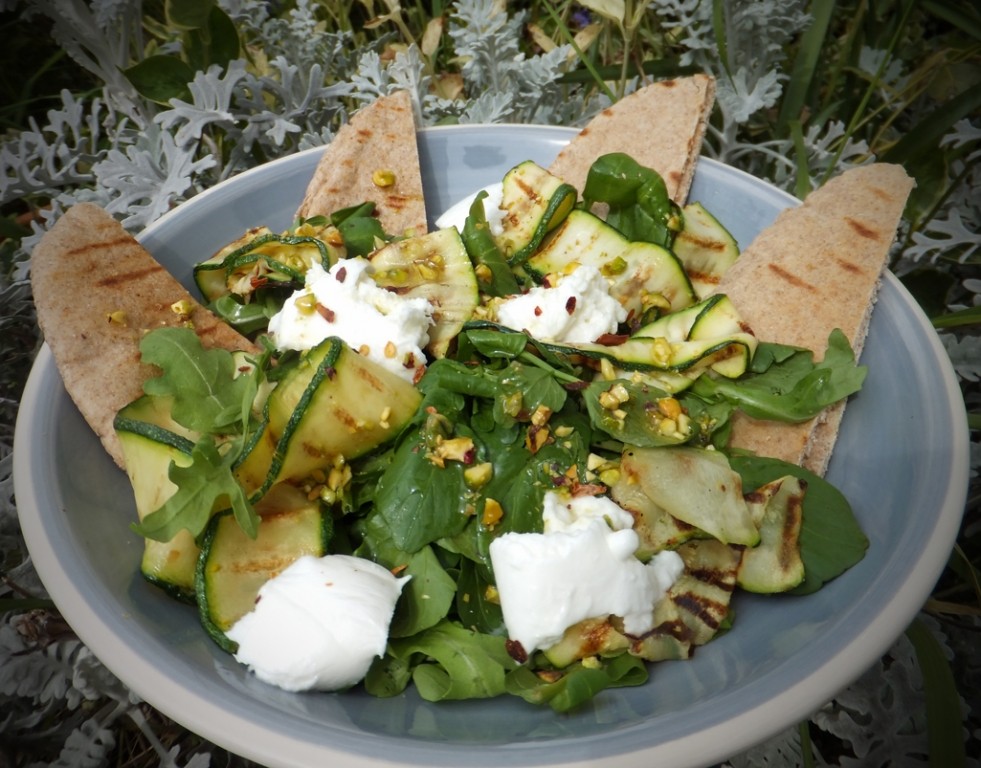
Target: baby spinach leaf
x=639, y=205
x=831, y=540
x=483, y=251
x=428, y=595
x=420, y=500
x=639, y=423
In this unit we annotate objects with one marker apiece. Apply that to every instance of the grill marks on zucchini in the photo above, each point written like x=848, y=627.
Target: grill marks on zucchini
x=333, y=403
x=233, y=567
x=263, y=257
x=642, y=275
x=534, y=202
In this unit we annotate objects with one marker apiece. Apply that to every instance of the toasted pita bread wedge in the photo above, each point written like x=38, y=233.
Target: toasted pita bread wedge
x=661, y=126
x=816, y=268
x=373, y=158
x=97, y=291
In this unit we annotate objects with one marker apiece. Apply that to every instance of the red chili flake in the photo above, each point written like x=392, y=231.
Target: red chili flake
x=258, y=282
x=331, y=372
x=538, y=311
x=325, y=313
x=410, y=360
x=570, y=304
x=516, y=651
x=341, y=274
x=612, y=339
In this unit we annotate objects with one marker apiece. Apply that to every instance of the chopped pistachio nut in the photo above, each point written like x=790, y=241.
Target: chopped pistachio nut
x=478, y=475
x=607, y=371
x=182, y=308
x=563, y=431
x=455, y=449
x=117, y=317
x=592, y=662
x=491, y=595
x=536, y=437
x=386, y=414
x=669, y=406
x=654, y=301
x=616, y=266
x=512, y=404
x=610, y=476
x=492, y=514
x=483, y=273
x=332, y=236
x=662, y=351
x=541, y=416
x=306, y=304
x=383, y=177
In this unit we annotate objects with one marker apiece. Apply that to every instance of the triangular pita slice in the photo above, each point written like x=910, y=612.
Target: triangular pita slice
x=379, y=138
x=816, y=268
x=661, y=126
x=97, y=292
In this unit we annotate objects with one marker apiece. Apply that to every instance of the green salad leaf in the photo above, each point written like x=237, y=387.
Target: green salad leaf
x=637, y=197
x=785, y=384
x=831, y=540
x=206, y=387
x=578, y=683
x=212, y=395
x=445, y=662
x=493, y=271
x=205, y=486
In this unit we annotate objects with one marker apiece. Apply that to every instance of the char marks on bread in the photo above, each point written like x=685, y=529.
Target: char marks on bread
x=86, y=269
x=661, y=126
x=380, y=137
x=816, y=268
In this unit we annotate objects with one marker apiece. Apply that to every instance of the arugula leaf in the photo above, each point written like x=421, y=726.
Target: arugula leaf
x=472, y=606
x=205, y=486
x=578, y=683
x=458, y=663
x=207, y=394
x=831, y=540
x=792, y=387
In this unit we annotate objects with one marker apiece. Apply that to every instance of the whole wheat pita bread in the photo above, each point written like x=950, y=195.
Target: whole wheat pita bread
x=661, y=126
x=86, y=268
x=816, y=268
x=380, y=137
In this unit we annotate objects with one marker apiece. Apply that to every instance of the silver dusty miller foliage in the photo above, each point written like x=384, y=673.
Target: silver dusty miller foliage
x=138, y=159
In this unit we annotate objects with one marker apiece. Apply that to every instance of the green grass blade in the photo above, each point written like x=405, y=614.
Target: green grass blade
x=958, y=319
x=802, y=186
x=805, y=63
x=961, y=19
x=943, y=707
x=924, y=137
x=719, y=28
